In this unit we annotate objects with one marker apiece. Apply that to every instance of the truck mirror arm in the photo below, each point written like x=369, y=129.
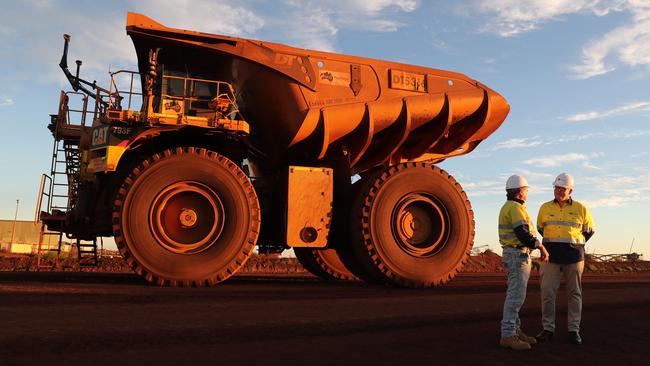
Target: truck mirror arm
x=75, y=81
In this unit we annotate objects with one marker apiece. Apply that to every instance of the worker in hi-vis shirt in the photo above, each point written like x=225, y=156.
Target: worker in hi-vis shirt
x=565, y=225
x=517, y=238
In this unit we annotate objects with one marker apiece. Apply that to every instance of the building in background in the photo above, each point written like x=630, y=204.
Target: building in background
x=25, y=237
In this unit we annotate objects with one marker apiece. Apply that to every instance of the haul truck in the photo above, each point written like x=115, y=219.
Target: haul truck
x=239, y=142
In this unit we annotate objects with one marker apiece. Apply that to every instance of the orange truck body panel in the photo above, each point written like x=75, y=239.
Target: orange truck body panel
x=302, y=104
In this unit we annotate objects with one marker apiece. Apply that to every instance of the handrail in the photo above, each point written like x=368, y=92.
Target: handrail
x=115, y=93
x=39, y=200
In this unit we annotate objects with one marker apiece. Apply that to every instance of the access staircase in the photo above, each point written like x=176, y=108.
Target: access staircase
x=87, y=253
x=58, y=191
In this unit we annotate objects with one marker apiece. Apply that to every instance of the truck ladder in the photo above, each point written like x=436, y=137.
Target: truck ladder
x=65, y=173
x=87, y=253
x=60, y=188
x=44, y=249
x=67, y=127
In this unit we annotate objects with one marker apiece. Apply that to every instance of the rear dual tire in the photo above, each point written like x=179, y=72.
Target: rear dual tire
x=324, y=263
x=411, y=226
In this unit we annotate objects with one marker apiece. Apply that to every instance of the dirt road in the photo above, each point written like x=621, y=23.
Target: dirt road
x=117, y=319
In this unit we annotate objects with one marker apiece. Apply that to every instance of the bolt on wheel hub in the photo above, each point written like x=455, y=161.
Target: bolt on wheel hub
x=188, y=217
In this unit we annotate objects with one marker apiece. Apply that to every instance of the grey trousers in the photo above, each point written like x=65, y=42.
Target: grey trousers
x=549, y=277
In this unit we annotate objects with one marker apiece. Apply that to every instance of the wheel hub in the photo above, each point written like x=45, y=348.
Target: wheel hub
x=186, y=217
x=415, y=224
x=419, y=225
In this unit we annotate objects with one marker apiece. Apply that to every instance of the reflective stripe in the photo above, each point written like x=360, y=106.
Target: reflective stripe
x=563, y=223
x=513, y=216
x=562, y=240
x=519, y=223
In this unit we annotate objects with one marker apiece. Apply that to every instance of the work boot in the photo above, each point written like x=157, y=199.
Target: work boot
x=575, y=338
x=522, y=336
x=544, y=336
x=514, y=342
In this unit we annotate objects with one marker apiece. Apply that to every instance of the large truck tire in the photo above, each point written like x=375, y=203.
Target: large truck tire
x=411, y=226
x=324, y=263
x=344, y=250
x=186, y=217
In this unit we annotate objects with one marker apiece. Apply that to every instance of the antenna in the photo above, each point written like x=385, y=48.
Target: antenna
x=631, y=245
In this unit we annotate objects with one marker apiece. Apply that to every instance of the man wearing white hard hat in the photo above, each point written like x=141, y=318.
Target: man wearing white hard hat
x=517, y=238
x=565, y=225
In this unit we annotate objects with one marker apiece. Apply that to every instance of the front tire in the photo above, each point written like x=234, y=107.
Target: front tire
x=186, y=217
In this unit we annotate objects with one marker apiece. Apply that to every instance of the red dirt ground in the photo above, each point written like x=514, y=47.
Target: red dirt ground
x=72, y=318
x=486, y=262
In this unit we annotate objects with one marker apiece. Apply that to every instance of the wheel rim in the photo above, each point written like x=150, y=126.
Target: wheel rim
x=186, y=217
x=419, y=225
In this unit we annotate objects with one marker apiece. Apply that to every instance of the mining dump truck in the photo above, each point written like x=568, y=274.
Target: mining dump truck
x=217, y=144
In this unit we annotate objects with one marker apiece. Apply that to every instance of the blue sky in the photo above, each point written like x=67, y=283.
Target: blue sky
x=575, y=73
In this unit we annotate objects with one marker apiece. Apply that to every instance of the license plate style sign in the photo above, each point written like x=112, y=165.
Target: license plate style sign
x=408, y=81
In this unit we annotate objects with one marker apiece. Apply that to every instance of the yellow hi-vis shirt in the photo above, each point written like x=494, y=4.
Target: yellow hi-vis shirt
x=564, y=224
x=512, y=215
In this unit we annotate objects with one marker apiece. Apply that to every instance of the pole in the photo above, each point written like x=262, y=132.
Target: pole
x=13, y=231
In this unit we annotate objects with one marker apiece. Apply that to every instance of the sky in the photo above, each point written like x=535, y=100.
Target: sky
x=575, y=73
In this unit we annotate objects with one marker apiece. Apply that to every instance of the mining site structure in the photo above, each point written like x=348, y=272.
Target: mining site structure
x=218, y=144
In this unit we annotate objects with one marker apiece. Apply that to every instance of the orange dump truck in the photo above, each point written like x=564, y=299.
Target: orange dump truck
x=219, y=144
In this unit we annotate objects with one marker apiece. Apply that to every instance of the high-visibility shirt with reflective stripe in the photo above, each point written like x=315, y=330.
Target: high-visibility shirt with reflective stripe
x=564, y=224
x=512, y=215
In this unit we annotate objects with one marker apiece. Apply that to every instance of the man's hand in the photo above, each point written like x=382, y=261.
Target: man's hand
x=543, y=253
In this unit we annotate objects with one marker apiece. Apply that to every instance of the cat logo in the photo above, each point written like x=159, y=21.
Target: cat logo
x=100, y=136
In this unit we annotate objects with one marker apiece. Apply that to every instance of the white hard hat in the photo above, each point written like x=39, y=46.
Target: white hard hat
x=516, y=181
x=564, y=180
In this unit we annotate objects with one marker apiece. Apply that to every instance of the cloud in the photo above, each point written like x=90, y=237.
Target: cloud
x=515, y=143
x=99, y=39
x=601, y=189
x=621, y=134
x=514, y=17
x=615, y=190
x=556, y=160
x=640, y=154
x=313, y=28
x=628, y=45
x=375, y=6
x=539, y=183
x=537, y=176
x=224, y=17
x=485, y=188
x=626, y=108
x=588, y=165
x=315, y=24
x=620, y=183
x=526, y=142
x=6, y=101
x=611, y=201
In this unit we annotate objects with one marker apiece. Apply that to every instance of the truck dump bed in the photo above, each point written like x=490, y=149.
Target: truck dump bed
x=302, y=103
